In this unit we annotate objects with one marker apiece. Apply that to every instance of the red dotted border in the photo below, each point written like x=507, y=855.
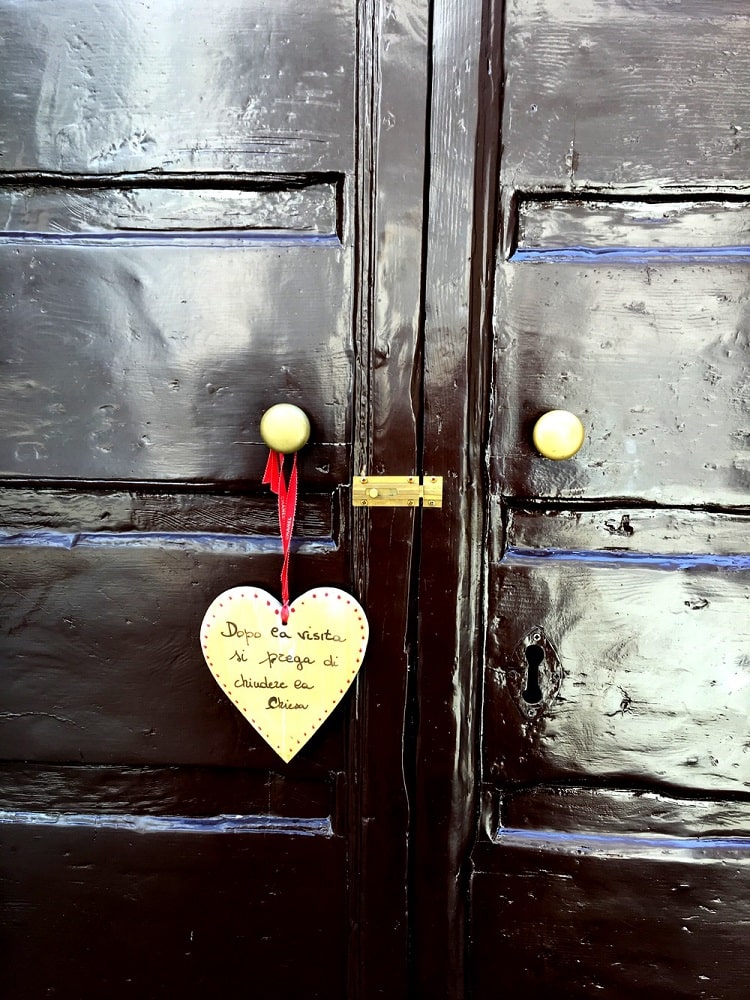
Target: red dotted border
x=245, y=593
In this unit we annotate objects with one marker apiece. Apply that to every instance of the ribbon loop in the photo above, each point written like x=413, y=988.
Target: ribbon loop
x=287, y=494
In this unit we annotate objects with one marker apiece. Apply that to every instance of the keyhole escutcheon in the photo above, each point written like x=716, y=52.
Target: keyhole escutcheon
x=534, y=674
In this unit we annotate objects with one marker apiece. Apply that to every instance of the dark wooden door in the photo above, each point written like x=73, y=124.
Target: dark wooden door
x=426, y=225
x=597, y=844
x=206, y=209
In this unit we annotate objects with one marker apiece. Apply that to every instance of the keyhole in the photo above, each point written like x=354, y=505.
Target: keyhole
x=534, y=657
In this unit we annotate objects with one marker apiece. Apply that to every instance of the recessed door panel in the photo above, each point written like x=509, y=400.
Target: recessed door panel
x=634, y=317
x=625, y=96
x=164, y=899
x=128, y=88
x=651, y=648
x=99, y=666
x=153, y=361
x=615, y=901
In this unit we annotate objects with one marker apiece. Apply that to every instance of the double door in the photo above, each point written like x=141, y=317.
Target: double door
x=425, y=226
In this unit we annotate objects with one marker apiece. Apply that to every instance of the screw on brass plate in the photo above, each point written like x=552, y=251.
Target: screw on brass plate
x=396, y=491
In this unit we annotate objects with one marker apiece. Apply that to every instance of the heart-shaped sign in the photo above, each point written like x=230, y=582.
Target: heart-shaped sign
x=286, y=679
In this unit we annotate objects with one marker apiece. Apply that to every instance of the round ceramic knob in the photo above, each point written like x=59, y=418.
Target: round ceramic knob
x=285, y=428
x=558, y=434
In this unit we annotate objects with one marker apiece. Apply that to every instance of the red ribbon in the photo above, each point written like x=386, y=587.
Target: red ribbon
x=287, y=494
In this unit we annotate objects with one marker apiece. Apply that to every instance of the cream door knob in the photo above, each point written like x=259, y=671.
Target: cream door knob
x=285, y=428
x=558, y=434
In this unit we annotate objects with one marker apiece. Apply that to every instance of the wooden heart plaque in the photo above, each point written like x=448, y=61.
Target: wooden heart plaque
x=285, y=679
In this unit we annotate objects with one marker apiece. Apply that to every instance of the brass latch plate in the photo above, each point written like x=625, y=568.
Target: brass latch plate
x=397, y=491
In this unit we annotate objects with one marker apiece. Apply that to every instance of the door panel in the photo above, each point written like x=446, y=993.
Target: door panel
x=625, y=96
x=254, y=87
x=164, y=899
x=172, y=348
x=283, y=206
x=653, y=646
x=635, y=317
x=205, y=211
x=607, y=916
x=612, y=847
x=612, y=888
x=103, y=620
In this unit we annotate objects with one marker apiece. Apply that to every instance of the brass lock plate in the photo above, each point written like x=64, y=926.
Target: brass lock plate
x=397, y=491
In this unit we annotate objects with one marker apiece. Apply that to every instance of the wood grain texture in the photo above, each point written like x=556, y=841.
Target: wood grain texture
x=157, y=362
x=626, y=96
x=603, y=917
x=253, y=87
x=393, y=114
x=464, y=110
x=653, y=648
x=177, y=927
x=646, y=348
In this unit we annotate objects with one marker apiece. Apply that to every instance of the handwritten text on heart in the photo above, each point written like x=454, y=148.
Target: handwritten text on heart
x=285, y=679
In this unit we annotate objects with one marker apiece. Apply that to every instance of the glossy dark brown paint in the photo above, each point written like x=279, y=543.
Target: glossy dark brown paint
x=148, y=893
x=204, y=213
x=660, y=917
x=625, y=97
x=458, y=274
x=611, y=856
x=425, y=225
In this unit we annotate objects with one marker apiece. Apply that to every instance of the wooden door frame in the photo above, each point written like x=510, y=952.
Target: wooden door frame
x=391, y=156
x=431, y=405
x=460, y=238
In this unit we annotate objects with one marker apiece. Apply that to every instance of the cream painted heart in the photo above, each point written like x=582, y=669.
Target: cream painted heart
x=285, y=679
